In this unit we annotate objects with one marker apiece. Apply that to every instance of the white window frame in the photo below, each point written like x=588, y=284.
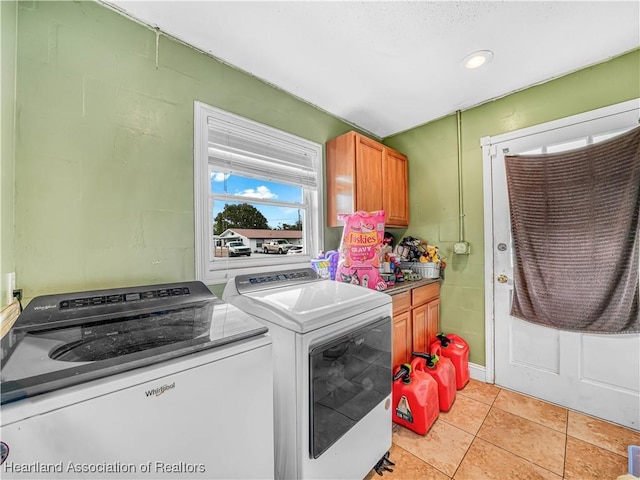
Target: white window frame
x=222, y=269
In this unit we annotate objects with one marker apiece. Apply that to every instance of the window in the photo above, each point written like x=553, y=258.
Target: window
x=576, y=142
x=252, y=183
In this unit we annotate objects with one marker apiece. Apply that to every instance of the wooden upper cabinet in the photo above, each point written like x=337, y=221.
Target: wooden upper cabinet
x=396, y=192
x=363, y=174
x=369, y=159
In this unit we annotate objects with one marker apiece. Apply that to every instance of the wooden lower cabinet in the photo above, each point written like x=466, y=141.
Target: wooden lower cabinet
x=425, y=325
x=402, y=335
x=416, y=321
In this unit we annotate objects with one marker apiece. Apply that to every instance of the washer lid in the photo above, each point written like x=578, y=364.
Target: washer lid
x=47, y=360
x=309, y=306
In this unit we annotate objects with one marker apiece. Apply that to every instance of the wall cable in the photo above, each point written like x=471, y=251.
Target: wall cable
x=460, y=197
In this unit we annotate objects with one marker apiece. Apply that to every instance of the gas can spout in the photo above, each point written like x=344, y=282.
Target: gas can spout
x=404, y=373
x=444, y=340
x=430, y=359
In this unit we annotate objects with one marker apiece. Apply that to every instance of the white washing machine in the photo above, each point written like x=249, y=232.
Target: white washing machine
x=332, y=371
x=161, y=381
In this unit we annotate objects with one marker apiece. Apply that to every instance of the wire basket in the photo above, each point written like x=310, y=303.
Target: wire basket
x=425, y=270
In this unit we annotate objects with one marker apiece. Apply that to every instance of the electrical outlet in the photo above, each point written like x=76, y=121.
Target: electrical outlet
x=462, y=248
x=11, y=286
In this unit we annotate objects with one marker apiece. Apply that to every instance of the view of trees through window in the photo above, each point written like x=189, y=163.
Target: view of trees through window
x=252, y=211
x=240, y=215
x=244, y=215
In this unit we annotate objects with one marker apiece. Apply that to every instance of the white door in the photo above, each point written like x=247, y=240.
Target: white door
x=595, y=374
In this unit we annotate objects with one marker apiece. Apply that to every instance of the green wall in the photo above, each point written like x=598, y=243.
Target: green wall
x=104, y=154
x=8, y=11
x=103, y=192
x=432, y=151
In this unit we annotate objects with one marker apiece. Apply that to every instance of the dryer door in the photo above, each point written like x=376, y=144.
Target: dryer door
x=349, y=375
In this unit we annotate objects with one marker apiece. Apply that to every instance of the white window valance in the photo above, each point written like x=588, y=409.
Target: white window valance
x=233, y=148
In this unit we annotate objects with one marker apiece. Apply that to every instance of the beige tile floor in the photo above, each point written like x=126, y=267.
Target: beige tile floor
x=493, y=433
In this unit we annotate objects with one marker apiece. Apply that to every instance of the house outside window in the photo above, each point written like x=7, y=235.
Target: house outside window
x=254, y=184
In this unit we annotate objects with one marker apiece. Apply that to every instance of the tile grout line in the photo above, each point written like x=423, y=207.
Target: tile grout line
x=544, y=403
x=591, y=441
x=606, y=450
x=519, y=456
x=459, y=392
x=463, y=457
x=532, y=420
x=423, y=461
x=475, y=435
x=564, y=431
x=493, y=405
x=566, y=444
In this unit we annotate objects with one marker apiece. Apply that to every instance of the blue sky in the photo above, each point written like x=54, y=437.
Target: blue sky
x=255, y=189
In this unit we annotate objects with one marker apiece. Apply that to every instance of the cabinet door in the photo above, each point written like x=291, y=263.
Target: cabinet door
x=341, y=177
x=433, y=320
x=420, y=321
x=401, y=302
x=401, y=350
x=396, y=188
x=425, y=320
x=368, y=174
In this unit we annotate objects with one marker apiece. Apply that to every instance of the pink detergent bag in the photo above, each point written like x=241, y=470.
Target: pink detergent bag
x=360, y=249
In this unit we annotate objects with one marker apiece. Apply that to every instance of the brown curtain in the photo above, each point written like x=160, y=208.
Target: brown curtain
x=574, y=220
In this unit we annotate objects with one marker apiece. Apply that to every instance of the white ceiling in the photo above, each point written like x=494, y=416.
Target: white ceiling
x=389, y=66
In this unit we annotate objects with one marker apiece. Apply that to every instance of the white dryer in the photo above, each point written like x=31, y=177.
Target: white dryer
x=332, y=371
x=160, y=381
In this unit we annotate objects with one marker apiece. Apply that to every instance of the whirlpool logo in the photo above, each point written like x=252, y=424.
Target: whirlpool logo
x=45, y=307
x=156, y=392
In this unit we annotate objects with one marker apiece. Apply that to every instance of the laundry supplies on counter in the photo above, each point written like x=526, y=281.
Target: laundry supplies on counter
x=420, y=257
x=361, y=248
x=326, y=264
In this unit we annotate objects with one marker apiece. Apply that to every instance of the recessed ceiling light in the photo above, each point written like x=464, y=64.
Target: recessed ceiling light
x=477, y=59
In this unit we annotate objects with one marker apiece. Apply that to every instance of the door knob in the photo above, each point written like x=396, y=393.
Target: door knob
x=502, y=278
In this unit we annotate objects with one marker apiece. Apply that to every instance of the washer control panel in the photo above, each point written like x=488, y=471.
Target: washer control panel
x=261, y=281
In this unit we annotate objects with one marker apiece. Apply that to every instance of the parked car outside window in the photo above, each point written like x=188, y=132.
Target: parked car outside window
x=295, y=250
x=238, y=248
x=276, y=246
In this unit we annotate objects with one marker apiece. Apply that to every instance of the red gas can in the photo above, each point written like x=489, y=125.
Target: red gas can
x=415, y=398
x=457, y=350
x=442, y=370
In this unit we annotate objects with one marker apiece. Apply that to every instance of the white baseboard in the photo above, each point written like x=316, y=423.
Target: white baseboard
x=478, y=372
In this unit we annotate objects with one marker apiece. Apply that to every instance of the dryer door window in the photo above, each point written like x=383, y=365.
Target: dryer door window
x=349, y=376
